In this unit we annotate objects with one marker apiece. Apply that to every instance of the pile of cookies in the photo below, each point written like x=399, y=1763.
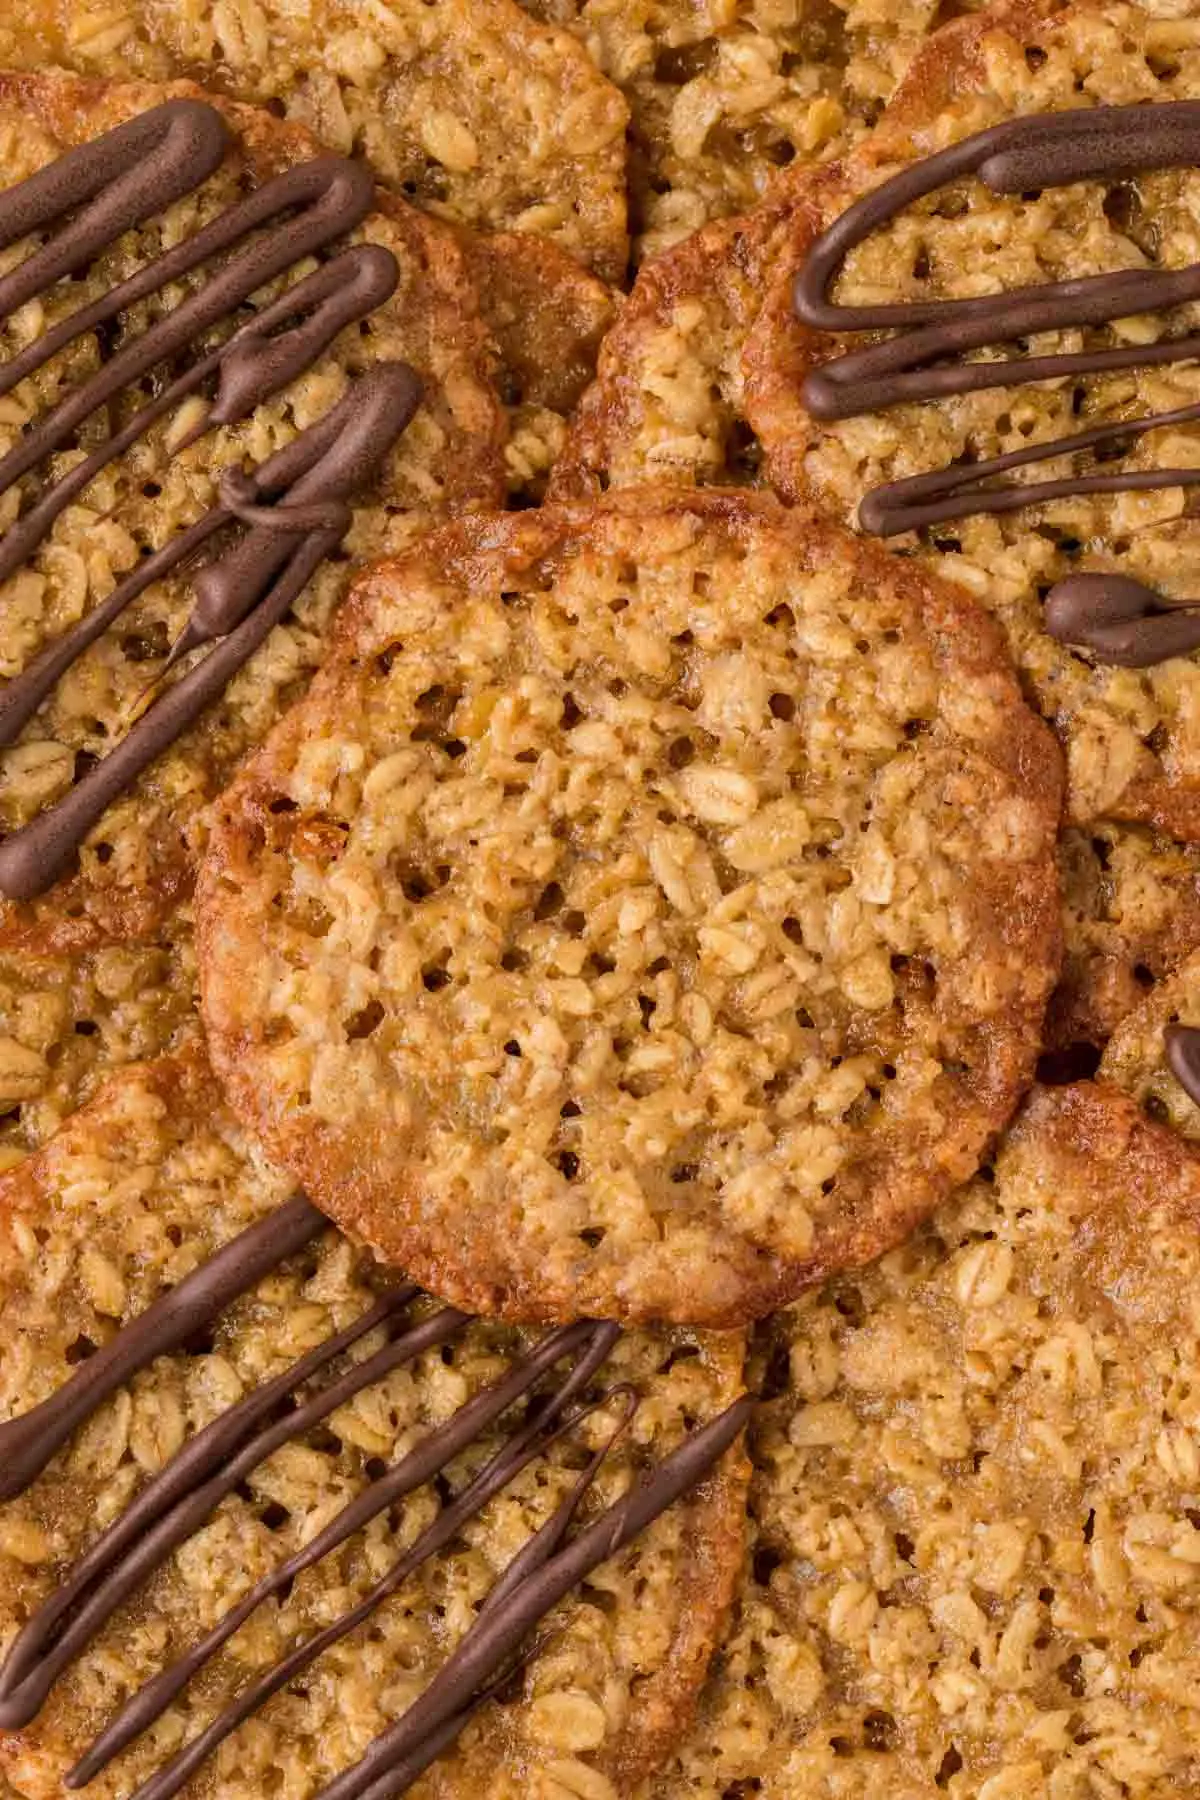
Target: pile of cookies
x=599, y=899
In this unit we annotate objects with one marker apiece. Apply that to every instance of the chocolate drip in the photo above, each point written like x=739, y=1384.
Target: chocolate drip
x=1182, y=1044
x=531, y=1441
x=1048, y=150
x=126, y=177
x=187, y=1493
x=424, y=1461
x=28, y=1443
x=500, y=1629
x=101, y=190
x=343, y=450
x=1122, y=621
x=218, y=1458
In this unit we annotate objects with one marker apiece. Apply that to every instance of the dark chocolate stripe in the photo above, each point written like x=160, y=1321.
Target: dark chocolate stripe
x=100, y=190
x=124, y=1560
x=364, y=427
x=499, y=1630
x=533, y=1440
x=28, y=1443
x=1047, y=150
x=421, y=1463
x=124, y=178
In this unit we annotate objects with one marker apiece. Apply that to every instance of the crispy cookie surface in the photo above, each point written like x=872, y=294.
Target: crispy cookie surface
x=137, y=862
x=975, y=1568
x=143, y=1184
x=724, y=93
x=1136, y=1055
x=1130, y=735
x=476, y=112
x=652, y=907
x=67, y=1022
x=1131, y=914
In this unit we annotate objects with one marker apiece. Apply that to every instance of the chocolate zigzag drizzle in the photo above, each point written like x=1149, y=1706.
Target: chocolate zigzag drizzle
x=186, y=1492
x=1046, y=150
x=295, y=505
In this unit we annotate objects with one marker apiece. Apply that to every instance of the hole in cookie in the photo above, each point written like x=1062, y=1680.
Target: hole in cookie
x=362, y=1023
x=681, y=752
x=594, y=1236
x=385, y=658
x=792, y=930
x=514, y=962
x=548, y=901
x=512, y=1048
x=781, y=616
x=1070, y=1673
x=104, y=853
x=274, y=1516
x=85, y=762
x=86, y=1027
x=572, y=712
x=282, y=804
x=80, y=1350
x=685, y=1172
x=1075, y=1062
x=647, y=1006
x=434, y=980
x=782, y=707
x=147, y=645
x=905, y=1548
x=573, y=923
x=879, y=1732
x=568, y=1165
x=681, y=63
x=950, y=1764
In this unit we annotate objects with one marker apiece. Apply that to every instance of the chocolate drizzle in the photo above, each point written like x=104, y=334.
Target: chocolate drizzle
x=1182, y=1045
x=125, y=177
x=211, y=1464
x=918, y=362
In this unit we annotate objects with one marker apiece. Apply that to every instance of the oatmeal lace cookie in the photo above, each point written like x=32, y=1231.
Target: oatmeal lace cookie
x=1131, y=913
x=472, y=109
x=136, y=1192
x=652, y=907
x=975, y=1564
x=137, y=862
x=1129, y=731
x=724, y=93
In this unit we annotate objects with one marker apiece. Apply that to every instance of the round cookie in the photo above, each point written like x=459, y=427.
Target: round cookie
x=975, y=1496
x=141, y=1187
x=474, y=111
x=1129, y=732
x=137, y=862
x=1136, y=1057
x=722, y=96
x=1131, y=913
x=652, y=907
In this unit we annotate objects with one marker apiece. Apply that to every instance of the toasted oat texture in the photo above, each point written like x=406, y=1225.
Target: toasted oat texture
x=976, y=1569
x=652, y=907
x=546, y=317
x=1131, y=736
x=1135, y=1061
x=668, y=401
x=476, y=112
x=132, y=1194
x=137, y=862
x=1131, y=912
x=723, y=93
x=67, y=1022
